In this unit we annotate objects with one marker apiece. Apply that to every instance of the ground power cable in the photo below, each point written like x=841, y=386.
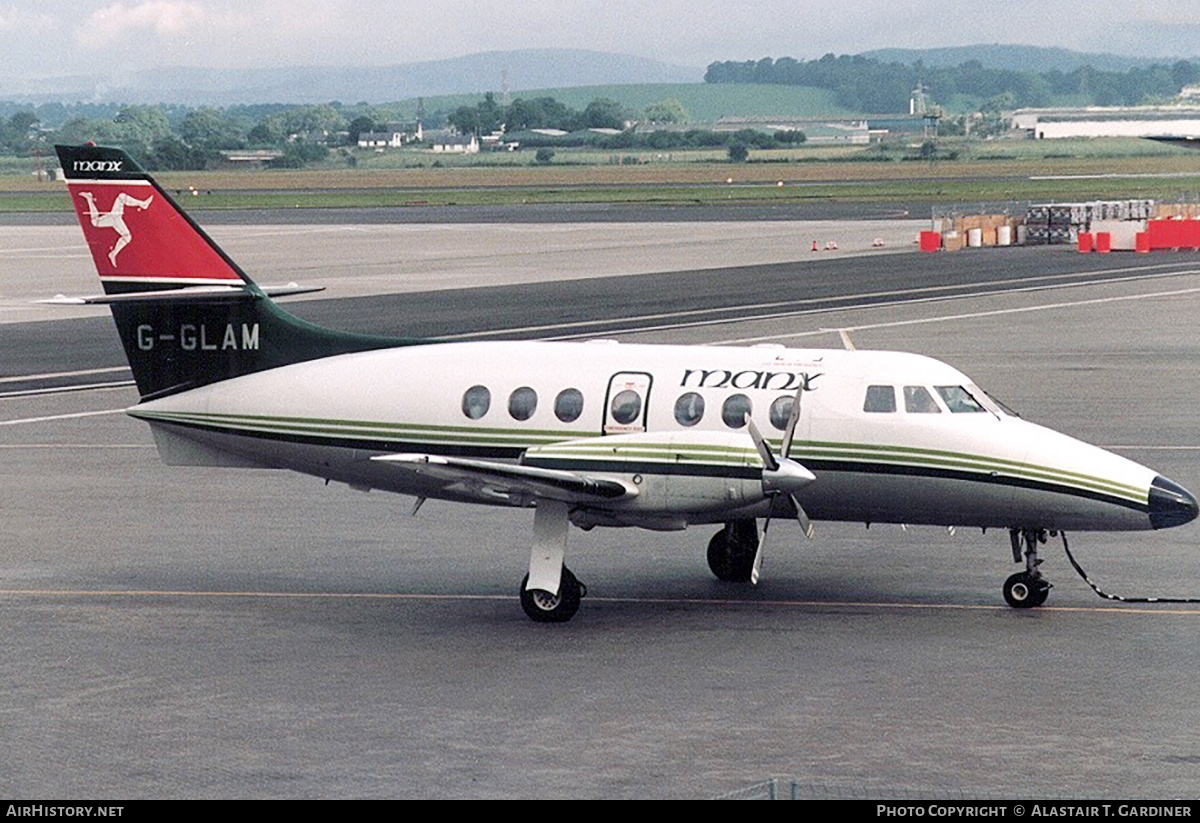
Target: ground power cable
x=1118, y=597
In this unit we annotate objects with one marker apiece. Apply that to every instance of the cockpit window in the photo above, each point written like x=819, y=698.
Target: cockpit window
x=959, y=400
x=880, y=399
x=918, y=400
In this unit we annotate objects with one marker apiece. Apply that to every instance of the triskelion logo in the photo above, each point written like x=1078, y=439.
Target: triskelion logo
x=114, y=218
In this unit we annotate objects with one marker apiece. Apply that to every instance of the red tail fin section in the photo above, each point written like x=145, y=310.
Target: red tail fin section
x=158, y=268
x=139, y=238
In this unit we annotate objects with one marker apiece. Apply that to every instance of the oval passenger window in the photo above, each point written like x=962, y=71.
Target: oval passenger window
x=626, y=406
x=476, y=402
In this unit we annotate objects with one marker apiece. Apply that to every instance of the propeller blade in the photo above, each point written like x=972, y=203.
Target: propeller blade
x=759, y=553
x=789, y=429
x=802, y=517
x=764, y=451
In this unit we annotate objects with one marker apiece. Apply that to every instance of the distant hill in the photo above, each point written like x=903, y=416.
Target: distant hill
x=1013, y=58
x=526, y=69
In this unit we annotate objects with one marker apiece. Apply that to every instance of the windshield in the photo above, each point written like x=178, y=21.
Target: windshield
x=959, y=400
x=989, y=402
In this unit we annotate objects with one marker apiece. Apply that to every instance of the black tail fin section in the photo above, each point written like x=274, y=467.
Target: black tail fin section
x=187, y=314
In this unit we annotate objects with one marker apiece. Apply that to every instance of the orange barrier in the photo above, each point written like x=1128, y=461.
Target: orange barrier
x=1173, y=234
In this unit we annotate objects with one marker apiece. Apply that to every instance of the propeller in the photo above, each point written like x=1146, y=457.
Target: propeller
x=781, y=475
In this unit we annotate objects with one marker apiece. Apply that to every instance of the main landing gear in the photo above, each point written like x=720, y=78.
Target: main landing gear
x=1026, y=589
x=731, y=551
x=544, y=607
x=550, y=593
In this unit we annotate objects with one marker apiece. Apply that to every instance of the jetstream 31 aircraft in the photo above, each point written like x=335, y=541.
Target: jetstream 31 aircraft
x=594, y=434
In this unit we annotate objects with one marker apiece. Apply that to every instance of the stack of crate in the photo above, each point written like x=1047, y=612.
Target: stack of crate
x=963, y=230
x=1176, y=211
x=1061, y=223
x=1037, y=226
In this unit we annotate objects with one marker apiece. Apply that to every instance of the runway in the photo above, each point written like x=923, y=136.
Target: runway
x=219, y=633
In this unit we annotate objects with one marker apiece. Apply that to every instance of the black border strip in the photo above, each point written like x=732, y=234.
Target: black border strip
x=680, y=469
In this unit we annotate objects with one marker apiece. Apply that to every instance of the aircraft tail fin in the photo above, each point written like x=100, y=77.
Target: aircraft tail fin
x=187, y=314
x=139, y=237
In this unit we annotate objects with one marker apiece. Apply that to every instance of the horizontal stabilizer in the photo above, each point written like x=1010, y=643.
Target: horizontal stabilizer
x=191, y=293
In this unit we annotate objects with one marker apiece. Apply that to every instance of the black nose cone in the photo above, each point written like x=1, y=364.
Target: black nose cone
x=1171, y=504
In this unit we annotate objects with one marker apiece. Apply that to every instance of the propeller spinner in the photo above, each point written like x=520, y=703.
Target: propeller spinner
x=781, y=475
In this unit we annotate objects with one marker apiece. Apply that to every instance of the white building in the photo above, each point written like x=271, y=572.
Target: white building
x=380, y=139
x=1108, y=121
x=457, y=145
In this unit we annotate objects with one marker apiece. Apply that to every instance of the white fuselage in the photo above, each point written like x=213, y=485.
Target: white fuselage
x=927, y=459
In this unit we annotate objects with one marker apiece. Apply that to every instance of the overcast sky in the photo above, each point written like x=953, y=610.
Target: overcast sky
x=41, y=38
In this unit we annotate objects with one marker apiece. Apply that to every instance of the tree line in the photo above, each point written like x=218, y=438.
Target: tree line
x=538, y=113
x=178, y=137
x=863, y=84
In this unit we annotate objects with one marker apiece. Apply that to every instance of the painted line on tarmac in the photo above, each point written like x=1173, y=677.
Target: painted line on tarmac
x=1116, y=175
x=965, y=316
x=142, y=594
x=52, y=417
x=881, y=304
x=21, y=378
x=1135, y=447
x=76, y=446
x=764, y=311
x=120, y=384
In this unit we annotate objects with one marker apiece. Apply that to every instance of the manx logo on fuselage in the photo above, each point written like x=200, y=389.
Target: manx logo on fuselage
x=748, y=379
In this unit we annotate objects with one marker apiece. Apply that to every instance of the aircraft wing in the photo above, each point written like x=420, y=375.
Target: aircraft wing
x=507, y=481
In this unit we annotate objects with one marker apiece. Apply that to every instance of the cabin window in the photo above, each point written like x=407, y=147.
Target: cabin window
x=880, y=399
x=959, y=400
x=689, y=408
x=568, y=405
x=918, y=400
x=735, y=409
x=522, y=403
x=781, y=410
x=476, y=402
x=626, y=406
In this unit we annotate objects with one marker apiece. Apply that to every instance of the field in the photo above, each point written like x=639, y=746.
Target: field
x=980, y=171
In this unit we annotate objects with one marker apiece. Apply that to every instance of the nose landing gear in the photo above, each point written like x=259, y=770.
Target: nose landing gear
x=1026, y=589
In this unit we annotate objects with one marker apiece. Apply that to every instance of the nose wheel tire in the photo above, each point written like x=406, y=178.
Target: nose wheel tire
x=544, y=607
x=1024, y=591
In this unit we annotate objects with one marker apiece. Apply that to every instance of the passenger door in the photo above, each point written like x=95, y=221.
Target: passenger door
x=627, y=402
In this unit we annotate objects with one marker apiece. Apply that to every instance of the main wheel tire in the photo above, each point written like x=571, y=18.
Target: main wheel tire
x=1021, y=591
x=543, y=607
x=732, y=560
